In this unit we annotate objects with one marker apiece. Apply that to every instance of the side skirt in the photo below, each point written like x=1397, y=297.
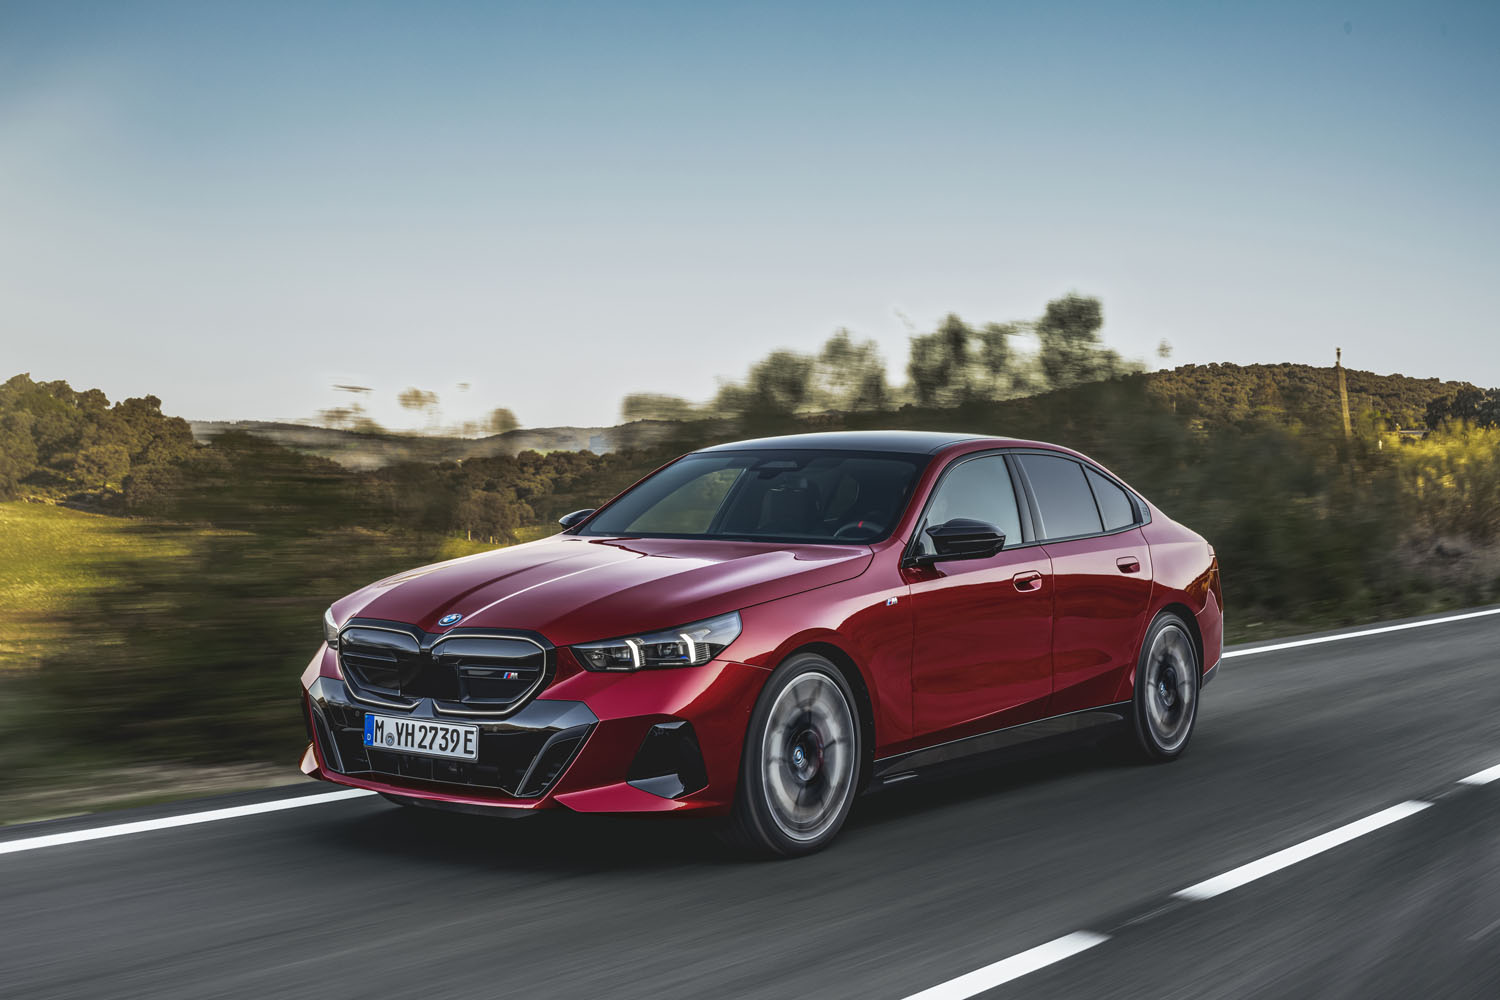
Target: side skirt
x=890, y=770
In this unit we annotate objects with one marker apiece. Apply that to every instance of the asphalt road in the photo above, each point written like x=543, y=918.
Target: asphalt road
x=929, y=882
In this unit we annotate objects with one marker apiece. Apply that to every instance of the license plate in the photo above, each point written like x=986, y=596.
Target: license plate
x=423, y=736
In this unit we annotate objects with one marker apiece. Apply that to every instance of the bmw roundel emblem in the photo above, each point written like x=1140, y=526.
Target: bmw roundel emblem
x=452, y=619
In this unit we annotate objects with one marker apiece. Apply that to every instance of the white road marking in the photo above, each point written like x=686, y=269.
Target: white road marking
x=168, y=822
x=1271, y=863
x=1319, y=640
x=1014, y=967
x=1484, y=777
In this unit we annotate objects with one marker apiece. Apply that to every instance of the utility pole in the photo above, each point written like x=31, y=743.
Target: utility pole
x=1338, y=366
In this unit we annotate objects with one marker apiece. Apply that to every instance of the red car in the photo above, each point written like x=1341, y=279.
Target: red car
x=763, y=629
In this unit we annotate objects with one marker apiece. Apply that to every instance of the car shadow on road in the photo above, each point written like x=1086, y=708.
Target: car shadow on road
x=976, y=780
x=564, y=842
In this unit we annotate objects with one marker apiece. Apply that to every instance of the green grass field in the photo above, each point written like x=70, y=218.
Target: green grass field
x=453, y=548
x=51, y=555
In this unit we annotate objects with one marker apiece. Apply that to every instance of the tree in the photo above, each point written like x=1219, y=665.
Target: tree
x=17, y=451
x=420, y=400
x=957, y=363
x=1480, y=407
x=101, y=465
x=656, y=406
x=1070, y=349
x=502, y=421
x=851, y=376
x=778, y=384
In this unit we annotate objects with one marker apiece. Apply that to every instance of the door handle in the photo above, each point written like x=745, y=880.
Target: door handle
x=1027, y=581
x=1128, y=564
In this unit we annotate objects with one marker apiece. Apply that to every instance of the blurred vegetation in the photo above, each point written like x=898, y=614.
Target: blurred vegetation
x=177, y=631
x=56, y=440
x=51, y=558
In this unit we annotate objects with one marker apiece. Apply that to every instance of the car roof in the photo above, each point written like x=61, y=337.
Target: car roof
x=903, y=442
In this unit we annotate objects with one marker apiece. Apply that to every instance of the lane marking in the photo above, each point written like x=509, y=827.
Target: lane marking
x=168, y=822
x=1484, y=777
x=1271, y=863
x=1319, y=640
x=1014, y=967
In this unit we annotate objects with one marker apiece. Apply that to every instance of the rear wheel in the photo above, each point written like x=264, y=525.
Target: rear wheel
x=801, y=761
x=1166, y=689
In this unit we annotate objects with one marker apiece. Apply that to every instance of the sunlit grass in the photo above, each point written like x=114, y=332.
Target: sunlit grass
x=52, y=555
x=454, y=547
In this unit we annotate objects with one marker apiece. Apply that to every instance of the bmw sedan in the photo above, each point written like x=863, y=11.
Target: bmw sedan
x=761, y=630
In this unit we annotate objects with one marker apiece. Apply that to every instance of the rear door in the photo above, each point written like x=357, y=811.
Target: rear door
x=1101, y=567
x=981, y=657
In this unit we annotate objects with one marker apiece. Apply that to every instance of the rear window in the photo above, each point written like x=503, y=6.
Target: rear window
x=1114, y=506
x=1065, y=504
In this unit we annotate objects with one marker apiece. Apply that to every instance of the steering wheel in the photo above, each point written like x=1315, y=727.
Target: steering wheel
x=864, y=528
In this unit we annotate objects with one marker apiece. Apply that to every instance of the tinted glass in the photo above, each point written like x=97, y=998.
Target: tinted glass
x=794, y=496
x=977, y=488
x=1062, y=494
x=1114, y=506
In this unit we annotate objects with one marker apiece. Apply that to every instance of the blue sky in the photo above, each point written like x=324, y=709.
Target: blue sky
x=234, y=206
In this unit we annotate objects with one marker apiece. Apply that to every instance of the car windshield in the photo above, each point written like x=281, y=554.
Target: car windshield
x=834, y=497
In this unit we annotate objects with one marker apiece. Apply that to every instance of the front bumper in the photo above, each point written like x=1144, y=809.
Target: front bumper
x=591, y=743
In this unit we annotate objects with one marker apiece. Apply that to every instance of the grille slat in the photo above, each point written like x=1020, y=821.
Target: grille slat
x=468, y=674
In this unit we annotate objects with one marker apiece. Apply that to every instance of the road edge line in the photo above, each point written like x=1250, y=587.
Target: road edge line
x=182, y=819
x=1380, y=630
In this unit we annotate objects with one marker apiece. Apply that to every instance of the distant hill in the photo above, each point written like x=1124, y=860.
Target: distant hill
x=1220, y=393
x=363, y=450
x=1233, y=393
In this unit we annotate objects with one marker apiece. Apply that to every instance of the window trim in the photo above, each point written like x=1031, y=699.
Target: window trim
x=1129, y=498
x=909, y=557
x=1142, y=512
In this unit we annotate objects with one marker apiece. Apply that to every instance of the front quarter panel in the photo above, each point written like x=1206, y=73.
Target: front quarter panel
x=868, y=619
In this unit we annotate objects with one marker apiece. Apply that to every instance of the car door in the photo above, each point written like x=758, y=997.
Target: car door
x=1101, y=568
x=981, y=656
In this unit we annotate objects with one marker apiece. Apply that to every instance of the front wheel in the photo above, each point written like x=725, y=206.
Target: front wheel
x=801, y=761
x=1166, y=689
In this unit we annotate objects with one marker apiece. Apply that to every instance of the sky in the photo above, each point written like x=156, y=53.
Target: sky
x=236, y=207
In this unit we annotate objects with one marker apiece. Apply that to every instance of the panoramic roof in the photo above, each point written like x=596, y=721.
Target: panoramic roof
x=906, y=442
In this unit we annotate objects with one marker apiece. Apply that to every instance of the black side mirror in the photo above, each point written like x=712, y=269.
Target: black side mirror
x=568, y=520
x=964, y=538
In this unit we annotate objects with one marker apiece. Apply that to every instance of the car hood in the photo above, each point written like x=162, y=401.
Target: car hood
x=573, y=589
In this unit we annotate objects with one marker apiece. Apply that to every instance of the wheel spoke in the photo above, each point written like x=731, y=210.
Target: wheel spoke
x=806, y=756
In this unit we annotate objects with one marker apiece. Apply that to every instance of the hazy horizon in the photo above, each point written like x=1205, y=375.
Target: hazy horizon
x=237, y=208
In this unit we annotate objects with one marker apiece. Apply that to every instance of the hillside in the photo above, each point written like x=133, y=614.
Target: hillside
x=1235, y=393
x=361, y=450
x=1215, y=393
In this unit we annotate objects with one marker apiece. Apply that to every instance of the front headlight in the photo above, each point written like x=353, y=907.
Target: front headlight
x=330, y=630
x=688, y=646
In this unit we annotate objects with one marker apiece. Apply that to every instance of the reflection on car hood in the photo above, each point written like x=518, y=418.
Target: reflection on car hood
x=573, y=589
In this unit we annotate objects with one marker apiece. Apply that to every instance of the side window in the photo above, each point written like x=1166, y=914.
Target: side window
x=1114, y=506
x=1064, y=502
x=977, y=488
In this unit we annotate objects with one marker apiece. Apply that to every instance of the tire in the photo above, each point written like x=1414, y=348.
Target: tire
x=801, y=763
x=1168, y=677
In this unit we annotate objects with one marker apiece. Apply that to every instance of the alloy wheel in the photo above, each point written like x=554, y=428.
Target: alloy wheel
x=1171, y=688
x=807, y=756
